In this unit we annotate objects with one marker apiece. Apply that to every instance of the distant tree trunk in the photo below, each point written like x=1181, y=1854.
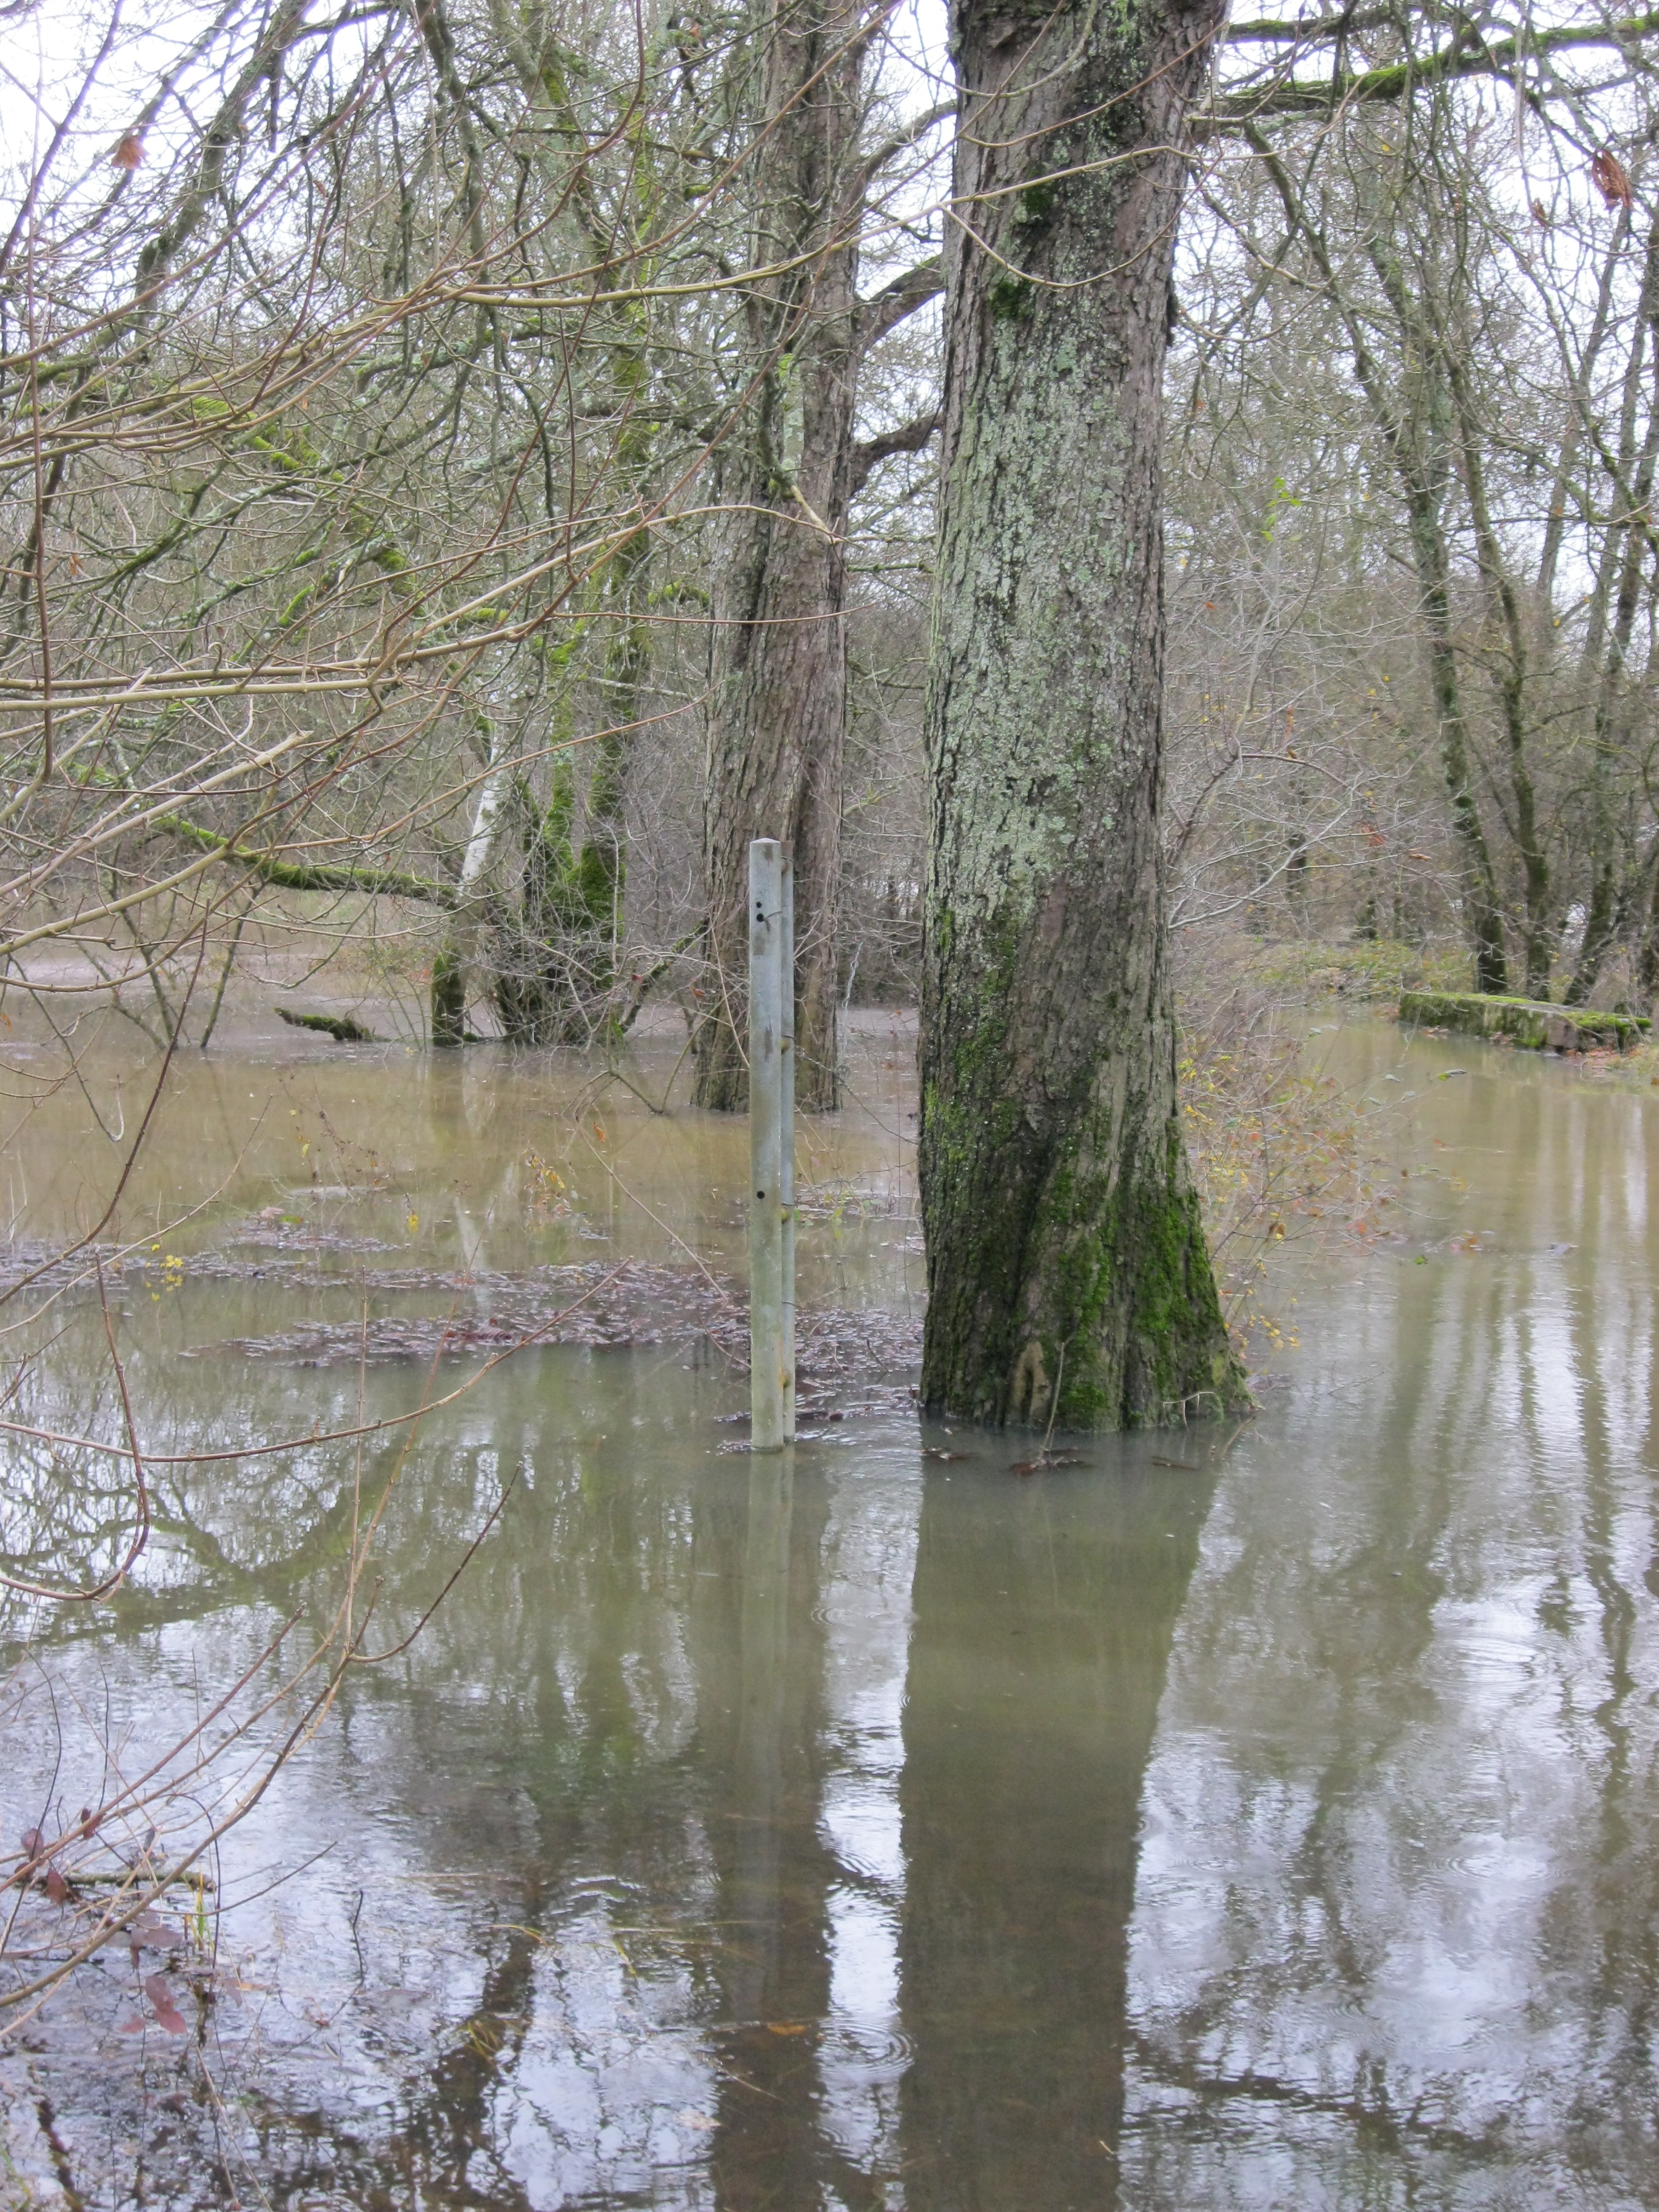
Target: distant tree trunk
x=555, y=975
x=1067, y=1266
x=1420, y=433
x=1483, y=916
x=453, y=963
x=1625, y=559
x=777, y=721
x=777, y=718
x=777, y=734
x=1510, y=664
x=1417, y=426
x=579, y=949
x=1647, y=959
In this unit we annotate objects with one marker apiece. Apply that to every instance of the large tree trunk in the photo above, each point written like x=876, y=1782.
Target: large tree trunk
x=1066, y=1266
x=777, y=718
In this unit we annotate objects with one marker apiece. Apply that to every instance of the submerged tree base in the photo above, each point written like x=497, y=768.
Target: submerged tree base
x=1531, y=1023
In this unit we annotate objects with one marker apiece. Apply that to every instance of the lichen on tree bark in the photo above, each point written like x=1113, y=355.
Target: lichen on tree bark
x=1065, y=1254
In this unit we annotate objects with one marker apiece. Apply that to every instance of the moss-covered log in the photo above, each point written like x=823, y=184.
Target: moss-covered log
x=340, y=1027
x=1067, y=1270
x=1531, y=1023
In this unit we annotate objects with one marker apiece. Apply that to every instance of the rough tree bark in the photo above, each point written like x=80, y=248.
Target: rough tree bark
x=777, y=720
x=1067, y=1266
x=777, y=723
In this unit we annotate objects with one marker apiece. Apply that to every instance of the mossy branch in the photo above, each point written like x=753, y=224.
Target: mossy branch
x=1469, y=53
x=311, y=876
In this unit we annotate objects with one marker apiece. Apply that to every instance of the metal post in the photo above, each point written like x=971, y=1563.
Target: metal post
x=771, y=1149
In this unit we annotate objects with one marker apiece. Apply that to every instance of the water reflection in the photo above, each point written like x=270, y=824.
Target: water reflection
x=1274, y=1826
x=1394, y=1932
x=1044, y=1614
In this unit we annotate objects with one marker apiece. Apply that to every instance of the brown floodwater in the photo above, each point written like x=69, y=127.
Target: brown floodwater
x=1252, y=1818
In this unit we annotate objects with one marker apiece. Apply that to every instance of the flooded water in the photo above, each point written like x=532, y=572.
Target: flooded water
x=1252, y=1819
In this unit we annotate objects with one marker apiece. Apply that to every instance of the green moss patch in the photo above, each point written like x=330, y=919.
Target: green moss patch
x=1530, y=1022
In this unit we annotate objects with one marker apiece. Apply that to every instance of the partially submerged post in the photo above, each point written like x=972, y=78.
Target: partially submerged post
x=771, y=1147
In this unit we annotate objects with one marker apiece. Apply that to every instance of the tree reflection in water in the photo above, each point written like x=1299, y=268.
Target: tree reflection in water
x=865, y=1829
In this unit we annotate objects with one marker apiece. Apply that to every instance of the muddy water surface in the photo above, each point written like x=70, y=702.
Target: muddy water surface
x=1185, y=1827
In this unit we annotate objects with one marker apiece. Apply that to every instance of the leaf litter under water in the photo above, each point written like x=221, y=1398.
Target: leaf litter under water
x=600, y=1306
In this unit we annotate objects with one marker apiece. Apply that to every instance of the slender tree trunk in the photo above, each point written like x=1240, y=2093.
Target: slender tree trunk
x=776, y=745
x=1420, y=439
x=1415, y=428
x=777, y=720
x=1647, y=960
x=1483, y=916
x=1067, y=1266
x=1626, y=560
x=453, y=964
x=1510, y=677
x=601, y=865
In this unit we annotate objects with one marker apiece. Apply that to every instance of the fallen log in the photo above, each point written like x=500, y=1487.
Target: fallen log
x=340, y=1027
x=1531, y=1023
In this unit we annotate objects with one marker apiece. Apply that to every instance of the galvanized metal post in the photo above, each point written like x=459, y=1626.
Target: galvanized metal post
x=771, y=1148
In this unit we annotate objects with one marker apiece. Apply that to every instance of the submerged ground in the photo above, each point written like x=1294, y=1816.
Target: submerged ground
x=1250, y=1819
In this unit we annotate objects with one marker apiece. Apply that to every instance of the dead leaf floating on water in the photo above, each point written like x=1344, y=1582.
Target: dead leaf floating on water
x=167, y=2014
x=147, y=1933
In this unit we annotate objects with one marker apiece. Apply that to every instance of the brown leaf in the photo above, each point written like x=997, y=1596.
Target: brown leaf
x=1541, y=214
x=89, y=1821
x=785, y=2027
x=154, y=1935
x=129, y=152
x=32, y=1840
x=168, y=2013
x=1608, y=175
x=57, y=1888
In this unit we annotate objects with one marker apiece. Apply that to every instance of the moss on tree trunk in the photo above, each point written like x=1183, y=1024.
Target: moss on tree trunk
x=1065, y=1254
